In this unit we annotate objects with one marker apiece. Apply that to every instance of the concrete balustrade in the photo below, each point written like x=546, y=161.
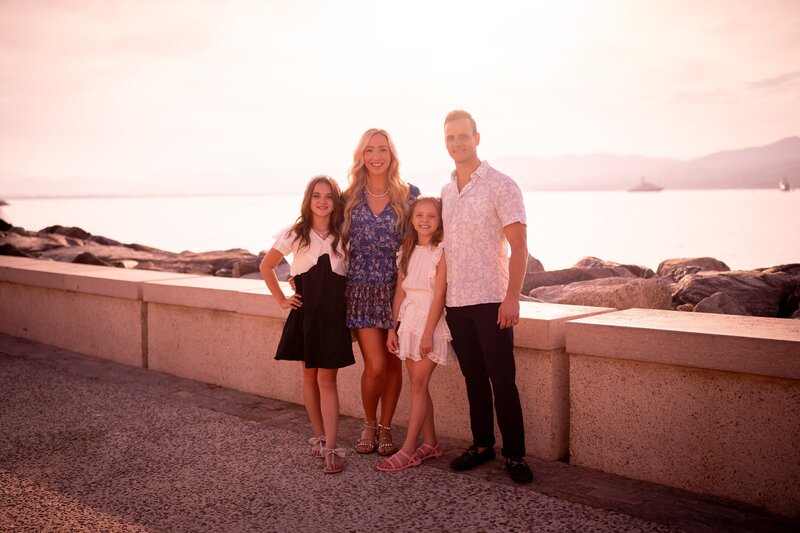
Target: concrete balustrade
x=89, y=309
x=705, y=402
x=542, y=376
x=709, y=403
x=224, y=331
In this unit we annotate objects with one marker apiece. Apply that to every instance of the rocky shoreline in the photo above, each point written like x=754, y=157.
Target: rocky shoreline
x=687, y=284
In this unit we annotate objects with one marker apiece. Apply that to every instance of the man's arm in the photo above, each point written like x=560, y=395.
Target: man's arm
x=516, y=235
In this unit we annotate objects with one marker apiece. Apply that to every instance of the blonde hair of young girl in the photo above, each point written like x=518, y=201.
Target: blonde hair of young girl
x=410, y=235
x=302, y=226
x=357, y=178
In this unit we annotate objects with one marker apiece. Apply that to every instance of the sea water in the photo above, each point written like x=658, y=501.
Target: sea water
x=744, y=228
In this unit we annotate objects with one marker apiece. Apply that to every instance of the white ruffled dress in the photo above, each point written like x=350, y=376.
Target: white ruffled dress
x=418, y=286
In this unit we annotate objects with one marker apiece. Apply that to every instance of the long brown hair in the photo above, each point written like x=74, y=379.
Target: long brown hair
x=357, y=177
x=302, y=226
x=410, y=235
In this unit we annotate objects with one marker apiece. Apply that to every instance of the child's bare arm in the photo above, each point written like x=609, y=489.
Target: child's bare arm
x=437, y=306
x=267, y=269
x=399, y=296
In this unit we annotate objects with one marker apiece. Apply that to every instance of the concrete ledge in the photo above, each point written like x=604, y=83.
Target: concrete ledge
x=707, y=403
x=542, y=326
x=244, y=296
x=40, y=273
x=105, y=327
x=90, y=309
x=88, y=279
x=751, y=345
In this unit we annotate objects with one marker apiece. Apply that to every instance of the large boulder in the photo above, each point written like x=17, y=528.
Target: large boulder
x=87, y=258
x=250, y=268
x=594, y=262
x=105, y=241
x=216, y=263
x=141, y=248
x=791, y=268
x=106, y=253
x=76, y=245
x=619, y=293
x=719, y=303
x=761, y=294
x=243, y=268
x=677, y=268
x=221, y=262
x=32, y=243
x=74, y=232
x=571, y=275
x=534, y=265
x=9, y=249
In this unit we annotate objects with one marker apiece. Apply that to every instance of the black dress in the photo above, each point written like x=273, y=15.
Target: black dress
x=316, y=332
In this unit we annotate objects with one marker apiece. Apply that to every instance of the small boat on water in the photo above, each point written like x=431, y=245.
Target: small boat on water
x=784, y=186
x=645, y=186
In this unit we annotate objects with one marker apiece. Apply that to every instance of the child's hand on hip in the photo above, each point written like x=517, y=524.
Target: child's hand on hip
x=292, y=302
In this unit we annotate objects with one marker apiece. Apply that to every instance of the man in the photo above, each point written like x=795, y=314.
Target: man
x=483, y=214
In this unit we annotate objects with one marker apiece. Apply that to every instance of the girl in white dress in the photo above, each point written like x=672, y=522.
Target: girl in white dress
x=315, y=332
x=422, y=338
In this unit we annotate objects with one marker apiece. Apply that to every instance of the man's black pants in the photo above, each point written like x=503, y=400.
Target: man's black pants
x=486, y=356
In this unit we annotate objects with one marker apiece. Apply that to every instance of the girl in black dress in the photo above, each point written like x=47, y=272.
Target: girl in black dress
x=315, y=331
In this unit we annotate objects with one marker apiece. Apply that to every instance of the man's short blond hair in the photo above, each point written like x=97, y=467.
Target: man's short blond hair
x=458, y=114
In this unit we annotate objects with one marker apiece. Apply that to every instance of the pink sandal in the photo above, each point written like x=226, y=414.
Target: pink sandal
x=395, y=462
x=426, y=451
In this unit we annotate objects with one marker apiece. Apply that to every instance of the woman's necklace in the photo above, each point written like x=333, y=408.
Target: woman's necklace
x=381, y=195
x=321, y=234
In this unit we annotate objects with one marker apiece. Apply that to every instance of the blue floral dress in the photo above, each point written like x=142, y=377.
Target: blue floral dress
x=372, y=273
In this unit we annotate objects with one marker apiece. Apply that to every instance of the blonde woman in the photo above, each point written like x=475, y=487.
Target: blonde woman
x=376, y=203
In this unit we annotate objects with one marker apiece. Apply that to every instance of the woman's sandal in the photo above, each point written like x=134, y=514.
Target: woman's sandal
x=386, y=445
x=368, y=445
x=334, y=460
x=396, y=463
x=317, y=444
x=426, y=451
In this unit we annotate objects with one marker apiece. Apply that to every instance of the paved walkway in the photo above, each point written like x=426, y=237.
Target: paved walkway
x=87, y=444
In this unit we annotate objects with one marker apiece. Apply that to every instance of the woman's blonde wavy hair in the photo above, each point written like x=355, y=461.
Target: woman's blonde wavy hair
x=357, y=178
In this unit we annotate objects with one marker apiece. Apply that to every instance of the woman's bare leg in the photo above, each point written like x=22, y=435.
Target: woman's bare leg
x=372, y=342
x=392, y=385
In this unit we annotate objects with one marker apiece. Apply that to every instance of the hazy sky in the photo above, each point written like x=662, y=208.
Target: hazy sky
x=125, y=90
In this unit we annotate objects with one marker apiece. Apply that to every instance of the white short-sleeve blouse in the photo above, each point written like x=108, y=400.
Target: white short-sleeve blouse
x=304, y=258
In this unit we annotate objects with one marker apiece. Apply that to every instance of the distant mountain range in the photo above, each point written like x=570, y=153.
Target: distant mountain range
x=748, y=168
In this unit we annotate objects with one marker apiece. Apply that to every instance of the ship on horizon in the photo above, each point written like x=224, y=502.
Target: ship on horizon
x=645, y=186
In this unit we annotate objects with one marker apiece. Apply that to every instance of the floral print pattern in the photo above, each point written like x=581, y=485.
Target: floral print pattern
x=474, y=242
x=372, y=272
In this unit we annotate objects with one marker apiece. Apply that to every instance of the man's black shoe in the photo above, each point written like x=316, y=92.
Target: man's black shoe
x=472, y=458
x=519, y=470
